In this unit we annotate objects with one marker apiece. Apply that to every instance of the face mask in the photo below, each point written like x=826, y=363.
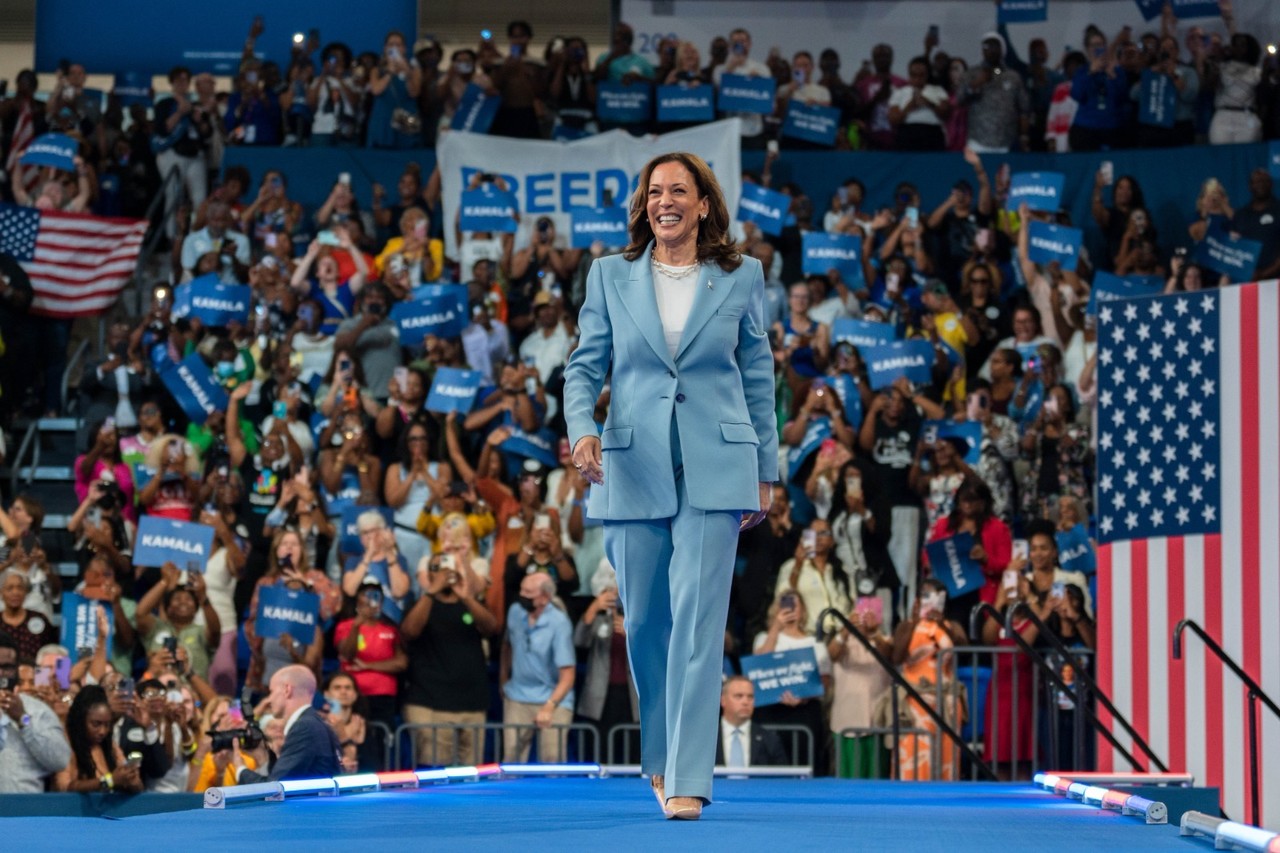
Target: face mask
x=527, y=603
x=334, y=705
x=933, y=603
x=464, y=67
x=226, y=369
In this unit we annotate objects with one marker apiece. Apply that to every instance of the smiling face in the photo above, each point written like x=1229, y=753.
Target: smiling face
x=674, y=204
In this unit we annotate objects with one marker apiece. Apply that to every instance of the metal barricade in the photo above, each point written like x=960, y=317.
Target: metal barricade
x=800, y=743
x=885, y=765
x=575, y=741
x=388, y=743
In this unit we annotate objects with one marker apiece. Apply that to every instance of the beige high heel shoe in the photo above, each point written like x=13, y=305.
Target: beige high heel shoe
x=683, y=808
x=656, y=782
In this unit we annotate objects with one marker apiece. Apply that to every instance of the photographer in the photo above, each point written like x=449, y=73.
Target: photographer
x=102, y=463
x=310, y=748
x=32, y=745
x=216, y=238
x=176, y=624
x=99, y=526
x=213, y=755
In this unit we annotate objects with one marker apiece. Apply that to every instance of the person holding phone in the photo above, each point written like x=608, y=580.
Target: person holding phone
x=857, y=680
x=272, y=211
x=287, y=564
x=371, y=336
x=815, y=574
x=337, y=296
x=802, y=89
x=97, y=763
x=421, y=255
x=102, y=462
x=35, y=744
x=372, y=651
x=1058, y=447
x=788, y=617
x=919, y=111
x=542, y=551
x=168, y=610
x=394, y=85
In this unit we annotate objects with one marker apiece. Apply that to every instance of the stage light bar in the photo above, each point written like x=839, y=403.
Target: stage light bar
x=488, y=770
x=1062, y=786
x=1046, y=780
x=220, y=797
x=1076, y=791
x=1199, y=823
x=357, y=783
x=1153, y=810
x=398, y=779
x=431, y=777
x=1093, y=795
x=550, y=769
x=1248, y=837
x=461, y=774
x=309, y=788
x=1114, y=800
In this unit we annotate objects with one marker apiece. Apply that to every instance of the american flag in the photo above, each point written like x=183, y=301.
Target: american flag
x=23, y=133
x=78, y=263
x=1189, y=527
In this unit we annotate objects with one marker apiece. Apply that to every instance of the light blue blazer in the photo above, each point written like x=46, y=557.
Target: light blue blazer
x=718, y=387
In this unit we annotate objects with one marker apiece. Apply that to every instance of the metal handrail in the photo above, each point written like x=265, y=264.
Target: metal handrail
x=899, y=680
x=1088, y=680
x=157, y=231
x=1256, y=694
x=80, y=350
x=1043, y=666
x=15, y=467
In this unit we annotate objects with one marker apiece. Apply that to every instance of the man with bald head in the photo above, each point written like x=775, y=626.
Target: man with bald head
x=310, y=750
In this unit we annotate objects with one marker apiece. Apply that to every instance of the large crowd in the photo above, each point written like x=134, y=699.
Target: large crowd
x=459, y=576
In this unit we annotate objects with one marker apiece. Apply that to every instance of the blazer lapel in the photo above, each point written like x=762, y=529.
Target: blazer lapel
x=712, y=290
x=638, y=297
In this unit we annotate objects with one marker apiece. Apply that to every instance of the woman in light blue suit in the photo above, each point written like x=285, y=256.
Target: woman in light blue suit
x=687, y=455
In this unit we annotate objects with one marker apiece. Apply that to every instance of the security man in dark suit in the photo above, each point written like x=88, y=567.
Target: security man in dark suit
x=310, y=750
x=742, y=745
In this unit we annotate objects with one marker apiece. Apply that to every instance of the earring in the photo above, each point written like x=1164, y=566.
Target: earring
x=702, y=218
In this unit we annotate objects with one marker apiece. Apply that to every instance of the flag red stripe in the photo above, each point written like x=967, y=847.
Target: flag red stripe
x=1212, y=668
x=1140, y=659
x=1177, y=700
x=1105, y=644
x=1250, y=581
x=82, y=262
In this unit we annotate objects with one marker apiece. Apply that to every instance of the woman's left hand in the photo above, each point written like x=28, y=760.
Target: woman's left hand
x=751, y=519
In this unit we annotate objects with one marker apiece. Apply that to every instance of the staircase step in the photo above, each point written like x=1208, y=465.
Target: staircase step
x=68, y=569
x=48, y=425
x=47, y=473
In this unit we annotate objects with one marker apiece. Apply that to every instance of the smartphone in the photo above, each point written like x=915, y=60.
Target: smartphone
x=809, y=541
x=517, y=50
x=827, y=447
x=328, y=238
x=62, y=673
x=929, y=435
x=344, y=178
x=28, y=541
x=448, y=563
x=1009, y=580
x=1108, y=169
x=982, y=239
x=788, y=601
x=171, y=645
x=542, y=521
x=234, y=712
x=270, y=240
x=402, y=378
x=133, y=759
x=280, y=410
x=913, y=216
x=1059, y=590
x=124, y=688
x=1051, y=405
x=1021, y=550
x=871, y=605
x=891, y=282
x=772, y=147
x=44, y=676
x=933, y=32
x=853, y=486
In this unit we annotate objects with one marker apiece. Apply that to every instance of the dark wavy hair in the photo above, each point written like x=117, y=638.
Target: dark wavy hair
x=89, y=697
x=715, y=243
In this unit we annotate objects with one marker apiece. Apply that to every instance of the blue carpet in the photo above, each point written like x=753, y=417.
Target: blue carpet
x=530, y=815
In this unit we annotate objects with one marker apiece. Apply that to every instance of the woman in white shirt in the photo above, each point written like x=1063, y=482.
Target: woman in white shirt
x=919, y=111
x=788, y=617
x=816, y=575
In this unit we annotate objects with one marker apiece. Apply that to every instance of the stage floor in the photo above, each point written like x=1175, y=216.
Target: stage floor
x=527, y=815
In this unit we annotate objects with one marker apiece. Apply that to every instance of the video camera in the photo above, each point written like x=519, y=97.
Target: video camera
x=250, y=734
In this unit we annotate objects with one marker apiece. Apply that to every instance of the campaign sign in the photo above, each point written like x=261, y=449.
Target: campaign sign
x=686, y=103
x=1233, y=257
x=1157, y=99
x=970, y=432
x=812, y=123
x=1040, y=190
x=80, y=622
x=349, y=533
x=215, y=303
x=1048, y=243
x=133, y=88
x=488, y=209
x=851, y=400
x=1108, y=286
x=186, y=544
x=541, y=445
x=818, y=431
x=606, y=224
x=824, y=252
x=287, y=611
x=886, y=362
x=741, y=94
x=765, y=207
x=1183, y=9
x=1075, y=551
x=950, y=563
x=862, y=333
x=1273, y=159
x=437, y=309
x=194, y=388
x=476, y=110
x=620, y=103
x=453, y=390
x=1022, y=11
x=51, y=149
x=776, y=673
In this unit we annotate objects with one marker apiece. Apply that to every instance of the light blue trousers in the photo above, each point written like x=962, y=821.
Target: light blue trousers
x=674, y=576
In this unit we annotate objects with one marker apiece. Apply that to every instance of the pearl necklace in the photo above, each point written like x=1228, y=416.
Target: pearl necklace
x=668, y=270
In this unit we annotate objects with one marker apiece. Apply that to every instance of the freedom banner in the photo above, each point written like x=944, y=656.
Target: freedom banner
x=194, y=388
x=287, y=611
x=476, y=110
x=488, y=209
x=765, y=207
x=776, y=673
x=812, y=123
x=621, y=103
x=551, y=178
x=686, y=103
x=1157, y=99
x=862, y=333
x=186, y=544
x=824, y=252
x=1234, y=257
x=453, y=390
x=214, y=303
x=1075, y=551
x=349, y=533
x=80, y=622
x=1048, y=243
x=1040, y=190
x=886, y=362
x=1022, y=11
x=606, y=224
x=950, y=563
x=436, y=309
x=1108, y=286
x=742, y=94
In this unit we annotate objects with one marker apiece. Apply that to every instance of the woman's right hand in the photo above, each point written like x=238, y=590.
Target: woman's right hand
x=587, y=459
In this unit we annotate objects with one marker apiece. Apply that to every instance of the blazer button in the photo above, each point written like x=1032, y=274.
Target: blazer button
x=679, y=398
x=671, y=373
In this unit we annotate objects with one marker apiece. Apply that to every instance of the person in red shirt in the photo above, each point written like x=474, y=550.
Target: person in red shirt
x=372, y=652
